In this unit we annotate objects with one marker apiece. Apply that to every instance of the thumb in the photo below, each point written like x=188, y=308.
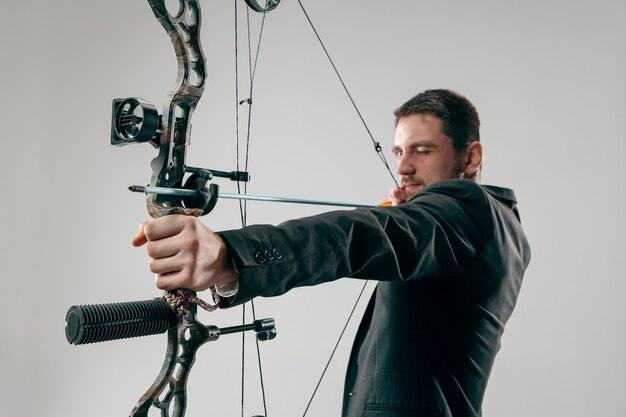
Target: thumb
x=397, y=196
x=140, y=238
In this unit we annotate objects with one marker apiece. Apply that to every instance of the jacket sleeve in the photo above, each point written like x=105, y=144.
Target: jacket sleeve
x=435, y=233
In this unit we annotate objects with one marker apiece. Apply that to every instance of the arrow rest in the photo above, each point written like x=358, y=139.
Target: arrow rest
x=206, y=199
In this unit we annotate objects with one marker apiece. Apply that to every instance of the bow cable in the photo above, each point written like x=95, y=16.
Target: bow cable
x=243, y=204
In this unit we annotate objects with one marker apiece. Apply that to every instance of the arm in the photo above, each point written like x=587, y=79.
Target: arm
x=434, y=233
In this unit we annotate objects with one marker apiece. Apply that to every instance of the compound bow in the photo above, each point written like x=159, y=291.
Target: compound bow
x=135, y=120
x=174, y=188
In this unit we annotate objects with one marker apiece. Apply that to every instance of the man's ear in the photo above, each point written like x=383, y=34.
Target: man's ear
x=474, y=160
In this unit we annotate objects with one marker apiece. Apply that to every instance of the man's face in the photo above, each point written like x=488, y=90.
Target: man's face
x=425, y=155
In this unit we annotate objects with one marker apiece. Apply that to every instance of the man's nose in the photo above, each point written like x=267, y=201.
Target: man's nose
x=405, y=167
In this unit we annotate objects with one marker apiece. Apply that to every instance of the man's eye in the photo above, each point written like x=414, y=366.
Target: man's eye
x=397, y=154
x=422, y=151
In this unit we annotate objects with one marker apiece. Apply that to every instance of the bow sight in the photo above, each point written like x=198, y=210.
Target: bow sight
x=135, y=120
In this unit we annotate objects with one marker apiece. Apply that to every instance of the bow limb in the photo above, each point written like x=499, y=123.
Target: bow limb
x=169, y=390
x=168, y=168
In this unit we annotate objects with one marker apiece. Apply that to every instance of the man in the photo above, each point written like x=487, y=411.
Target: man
x=450, y=256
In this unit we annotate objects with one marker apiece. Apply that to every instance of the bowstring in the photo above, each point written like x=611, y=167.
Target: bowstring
x=377, y=147
x=243, y=204
x=241, y=210
x=383, y=159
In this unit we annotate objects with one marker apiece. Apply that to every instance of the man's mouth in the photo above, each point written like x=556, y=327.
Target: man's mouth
x=412, y=187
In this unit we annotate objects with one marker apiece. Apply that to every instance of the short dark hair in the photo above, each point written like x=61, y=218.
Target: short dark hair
x=458, y=116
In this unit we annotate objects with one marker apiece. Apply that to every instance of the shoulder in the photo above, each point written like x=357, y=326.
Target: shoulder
x=454, y=191
x=458, y=203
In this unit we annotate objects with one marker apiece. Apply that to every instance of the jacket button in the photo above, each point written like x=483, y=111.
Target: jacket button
x=260, y=258
x=269, y=255
x=277, y=254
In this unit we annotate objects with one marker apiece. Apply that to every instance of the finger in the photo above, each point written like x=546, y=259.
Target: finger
x=168, y=265
x=165, y=226
x=168, y=281
x=163, y=248
x=140, y=238
x=174, y=280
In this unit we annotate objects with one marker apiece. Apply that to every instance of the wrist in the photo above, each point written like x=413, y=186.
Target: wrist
x=227, y=289
x=229, y=285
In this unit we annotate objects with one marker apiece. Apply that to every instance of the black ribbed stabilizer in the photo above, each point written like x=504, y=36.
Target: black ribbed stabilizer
x=93, y=323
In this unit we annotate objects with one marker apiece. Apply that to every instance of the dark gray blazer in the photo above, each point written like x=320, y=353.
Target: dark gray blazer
x=450, y=263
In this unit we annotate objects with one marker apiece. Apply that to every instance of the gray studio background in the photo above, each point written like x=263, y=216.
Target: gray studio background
x=547, y=78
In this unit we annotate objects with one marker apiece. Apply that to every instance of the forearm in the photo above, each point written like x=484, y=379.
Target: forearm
x=431, y=235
